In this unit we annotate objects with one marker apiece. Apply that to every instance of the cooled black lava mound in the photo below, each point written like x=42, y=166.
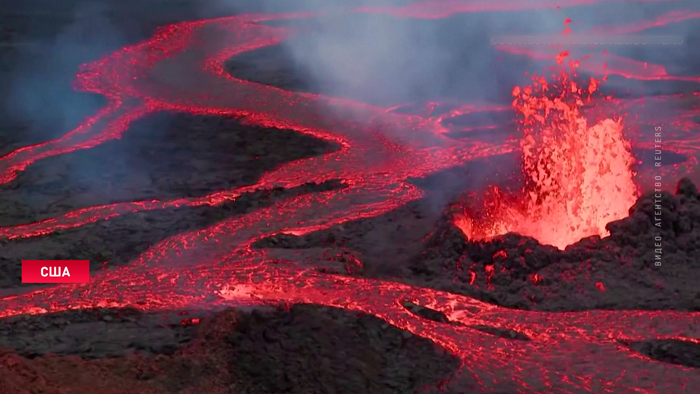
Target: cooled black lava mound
x=314, y=350
x=671, y=351
x=98, y=333
x=304, y=349
x=616, y=272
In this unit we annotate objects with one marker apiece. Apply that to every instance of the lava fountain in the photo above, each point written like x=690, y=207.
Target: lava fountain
x=578, y=176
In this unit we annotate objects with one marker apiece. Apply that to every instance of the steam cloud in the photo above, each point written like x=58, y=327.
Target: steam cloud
x=380, y=59
x=386, y=60
x=47, y=57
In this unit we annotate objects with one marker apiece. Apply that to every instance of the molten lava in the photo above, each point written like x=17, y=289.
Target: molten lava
x=181, y=69
x=578, y=176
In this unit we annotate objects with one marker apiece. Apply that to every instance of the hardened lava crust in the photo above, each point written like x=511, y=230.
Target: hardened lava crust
x=302, y=349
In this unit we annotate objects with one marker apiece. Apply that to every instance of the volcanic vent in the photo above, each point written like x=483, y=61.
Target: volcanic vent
x=519, y=272
x=577, y=167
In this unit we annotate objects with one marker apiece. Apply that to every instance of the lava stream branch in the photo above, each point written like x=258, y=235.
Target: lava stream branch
x=22, y=158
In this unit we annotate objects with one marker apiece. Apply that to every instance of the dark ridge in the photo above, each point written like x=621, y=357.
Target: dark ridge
x=97, y=333
x=287, y=241
x=425, y=312
x=671, y=351
x=502, y=332
x=315, y=348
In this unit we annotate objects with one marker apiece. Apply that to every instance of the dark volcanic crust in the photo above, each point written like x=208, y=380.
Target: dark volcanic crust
x=316, y=350
x=304, y=350
x=162, y=156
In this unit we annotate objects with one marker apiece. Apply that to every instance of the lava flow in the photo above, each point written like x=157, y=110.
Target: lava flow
x=578, y=177
x=181, y=69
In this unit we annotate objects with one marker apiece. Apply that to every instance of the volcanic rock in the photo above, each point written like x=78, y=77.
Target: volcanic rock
x=305, y=349
x=594, y=273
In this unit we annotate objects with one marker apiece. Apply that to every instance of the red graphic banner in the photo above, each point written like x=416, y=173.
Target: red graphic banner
x=55, y=271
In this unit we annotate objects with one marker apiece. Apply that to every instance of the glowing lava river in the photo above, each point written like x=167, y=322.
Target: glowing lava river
x=181, y=69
